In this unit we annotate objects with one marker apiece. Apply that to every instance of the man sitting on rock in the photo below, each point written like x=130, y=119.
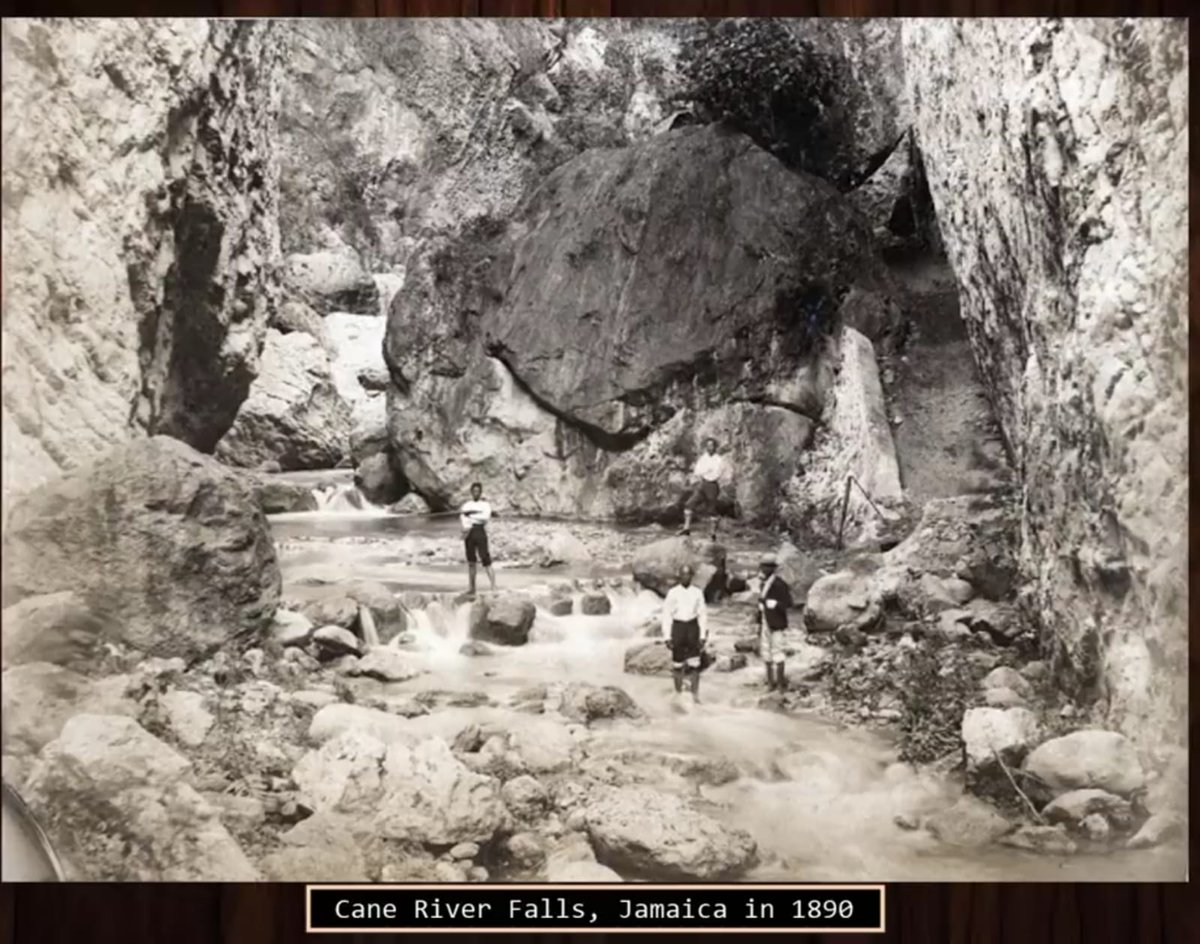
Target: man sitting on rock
x=774, y=598
x=475, y=515
x=685, y=630
x=711, y=469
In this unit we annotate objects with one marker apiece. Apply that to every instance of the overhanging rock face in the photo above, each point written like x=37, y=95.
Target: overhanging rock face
x=1057, y=158
x=635, y=285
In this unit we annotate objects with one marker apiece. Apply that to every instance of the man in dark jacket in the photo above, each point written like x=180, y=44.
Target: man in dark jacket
x=774, y=599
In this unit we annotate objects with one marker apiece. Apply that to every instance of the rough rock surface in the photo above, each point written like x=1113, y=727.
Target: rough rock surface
x=58, y=628
x=112, y=796
x=1056, y=155
x=988, y=733
x=167, y=545
x=590, y=386
x=293, y=415
x=39, y=698
x=140, y=232
x=1103, y=760
x=502, y=619
x=845, y=599
x=656, y=566
x=639, y=831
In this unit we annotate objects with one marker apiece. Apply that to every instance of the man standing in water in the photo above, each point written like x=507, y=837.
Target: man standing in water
x=774, y=598
x=685, y=630
x=711, y=469
x=475, y=515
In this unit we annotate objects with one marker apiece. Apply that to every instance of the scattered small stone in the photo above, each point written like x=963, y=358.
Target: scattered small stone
x=906, y=821
x=1034, y=671
x=477, y=873
x=473, y=648
x=465, y=850
x=1077, y=805
x=1003, y=698
x=563, y=606
x=730, y=662
x=1004, y=677
x=1096, y=827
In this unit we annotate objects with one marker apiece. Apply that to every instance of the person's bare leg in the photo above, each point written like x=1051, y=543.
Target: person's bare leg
x=471, y=578
x=695, y=682
x=677, y=678
x=770, y=677
x=780, y=679
x=491, y=575
x=687, y=520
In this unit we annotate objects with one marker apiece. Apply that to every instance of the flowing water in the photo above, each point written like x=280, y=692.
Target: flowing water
x=819, y=798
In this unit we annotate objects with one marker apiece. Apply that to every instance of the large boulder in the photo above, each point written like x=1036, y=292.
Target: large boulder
x=502, y=619
x=649, y=658
x=1103, y=760
x=293, y=415
x=599, y=410
x=39, y=698
x=136, y=302
x=970, y=822
x=991, y=733
x=279, y=497
x=588, y=703
x=640, y=832
x=114, y=802
x=293, y=315
x=656, y=566
x=170, y=548
x=378, y=480
x=1073, y=253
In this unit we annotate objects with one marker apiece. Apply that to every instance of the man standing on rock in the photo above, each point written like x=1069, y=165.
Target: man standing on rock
x=475, y=515
x=774, y=598
x=711, y=469
x=685, y=630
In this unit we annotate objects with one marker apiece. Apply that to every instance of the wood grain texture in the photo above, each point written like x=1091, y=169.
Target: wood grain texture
x=916, y=914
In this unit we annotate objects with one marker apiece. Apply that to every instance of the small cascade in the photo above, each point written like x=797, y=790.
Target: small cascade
x=441, y=628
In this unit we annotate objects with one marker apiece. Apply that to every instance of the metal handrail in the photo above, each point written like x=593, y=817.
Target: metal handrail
x=850, y=479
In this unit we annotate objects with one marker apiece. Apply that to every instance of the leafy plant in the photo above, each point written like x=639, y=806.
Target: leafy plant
x=937, y=684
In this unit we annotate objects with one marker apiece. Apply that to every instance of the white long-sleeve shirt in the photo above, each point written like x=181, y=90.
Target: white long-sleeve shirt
x=710, y=467
x=475, y=512
x=684, y=603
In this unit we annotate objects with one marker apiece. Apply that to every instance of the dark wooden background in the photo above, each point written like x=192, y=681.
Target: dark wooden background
x=916, y=914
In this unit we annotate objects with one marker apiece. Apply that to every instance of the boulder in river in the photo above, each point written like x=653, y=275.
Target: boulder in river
x=290, y=628
x=1073, y=807
x=168, y=546
x=336, y=641
x=648, y=658
x=279, y=497
x=1103, y=760
x=970, y=822
x=588, y=703
x=379, y=482
x=657, y=565
x=1158, y=829
x=502, y=619
x=595, y=604
x=562, y=547
x=386, y=665
x=642, y=832
x=113, y=796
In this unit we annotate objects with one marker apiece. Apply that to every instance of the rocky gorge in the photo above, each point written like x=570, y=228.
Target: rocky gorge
x=268, y=280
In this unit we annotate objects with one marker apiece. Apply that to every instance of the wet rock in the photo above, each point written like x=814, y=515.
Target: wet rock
x=502, y=620
x=531, y=700
x=587, y=703
x=562, y=547
x=475, y=648
x=343, y=775
x=563, y=606
x=1047, y=840
x=386, y=665
x=38, y=699
x=391, y=617
x=845, y=599
x=648, y=658
x=378, y=481
x=55, y=628
x=656, y=566
x=544, y=747
x=1003, y=698
x=730, y=662
x=434, y=699
x=293, y=414
x=336, y=641
x=1104, y=760
x=595, y=604
x=291, y=629
x=906, y=822
x=970, y=822
x=638, y=830
x=327, y=609
x=1073, y=807
x=525, y=797
x=1158, y=829
x=410, y=504
x=986, y=732
x=189, y=722
x=181, y=562
x=277, y=498
x=112, y=798
x=431, y=797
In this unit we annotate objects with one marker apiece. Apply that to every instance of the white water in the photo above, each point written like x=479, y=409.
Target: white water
x=819, y=799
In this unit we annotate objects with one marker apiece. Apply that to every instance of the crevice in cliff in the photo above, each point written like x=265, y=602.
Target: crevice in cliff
x=621, y=441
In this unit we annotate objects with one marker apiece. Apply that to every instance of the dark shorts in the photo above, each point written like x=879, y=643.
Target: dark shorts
x=703, y=498
x=685, y=643
x=477, y=546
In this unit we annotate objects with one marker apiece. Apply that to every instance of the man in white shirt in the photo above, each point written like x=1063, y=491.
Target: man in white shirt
x=685, y=630
x=475, y=514
x=710, y=471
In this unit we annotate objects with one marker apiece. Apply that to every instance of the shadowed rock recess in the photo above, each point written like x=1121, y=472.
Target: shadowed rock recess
x=276, y=291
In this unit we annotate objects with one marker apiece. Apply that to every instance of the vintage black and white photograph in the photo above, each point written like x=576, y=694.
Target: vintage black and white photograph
x=533, y=450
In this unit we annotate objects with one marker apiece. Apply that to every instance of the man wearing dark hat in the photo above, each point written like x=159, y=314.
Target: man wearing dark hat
x=774, y=598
